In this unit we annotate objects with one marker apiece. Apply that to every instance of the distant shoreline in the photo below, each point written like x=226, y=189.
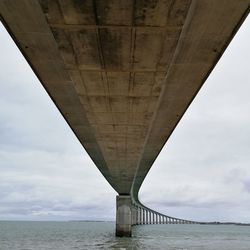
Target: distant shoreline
x=224, y=223
x=200, y=223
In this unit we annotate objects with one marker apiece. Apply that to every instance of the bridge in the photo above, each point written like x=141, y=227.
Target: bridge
x=122, y=73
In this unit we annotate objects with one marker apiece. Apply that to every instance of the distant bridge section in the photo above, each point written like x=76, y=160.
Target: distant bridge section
x=122, y=73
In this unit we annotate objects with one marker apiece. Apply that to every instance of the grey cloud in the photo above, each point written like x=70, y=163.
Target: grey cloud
x=246, y=185
x=204, y=164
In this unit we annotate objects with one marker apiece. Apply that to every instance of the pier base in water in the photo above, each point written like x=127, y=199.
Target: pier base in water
x=123, y=215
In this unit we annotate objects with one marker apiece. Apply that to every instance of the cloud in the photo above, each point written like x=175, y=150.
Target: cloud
x=45, y=172
x=205, y=164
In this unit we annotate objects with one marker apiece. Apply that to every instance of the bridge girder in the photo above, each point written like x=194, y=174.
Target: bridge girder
x=123, y=73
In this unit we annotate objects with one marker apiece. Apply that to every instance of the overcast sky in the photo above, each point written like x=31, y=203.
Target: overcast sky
x=203, y=172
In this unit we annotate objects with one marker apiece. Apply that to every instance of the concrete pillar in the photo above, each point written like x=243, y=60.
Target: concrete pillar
x=143, y=216
x=136, y=215
x=123, y=215
x=133, y=215
x=138, y=210
x=138, y=220
x=140, y=216
x=135, y=211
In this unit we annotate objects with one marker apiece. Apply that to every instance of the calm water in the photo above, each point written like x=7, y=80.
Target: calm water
x=100, y=235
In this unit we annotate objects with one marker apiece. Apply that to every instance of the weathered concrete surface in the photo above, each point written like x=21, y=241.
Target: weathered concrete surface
x=122, y=73
x=123, y=215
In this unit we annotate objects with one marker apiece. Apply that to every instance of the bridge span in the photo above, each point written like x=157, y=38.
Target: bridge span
x=122, y=73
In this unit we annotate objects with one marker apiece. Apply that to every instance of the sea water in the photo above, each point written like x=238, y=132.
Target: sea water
x=100, y=235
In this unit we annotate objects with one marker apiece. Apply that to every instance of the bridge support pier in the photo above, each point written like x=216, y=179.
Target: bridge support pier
x=123, y=215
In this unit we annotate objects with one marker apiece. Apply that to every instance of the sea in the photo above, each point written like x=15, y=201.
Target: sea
x=100, y=235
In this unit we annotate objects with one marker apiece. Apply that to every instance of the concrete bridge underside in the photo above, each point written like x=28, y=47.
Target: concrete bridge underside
x=122, y=73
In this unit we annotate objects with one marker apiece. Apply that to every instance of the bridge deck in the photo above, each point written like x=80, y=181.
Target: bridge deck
x=122, y=73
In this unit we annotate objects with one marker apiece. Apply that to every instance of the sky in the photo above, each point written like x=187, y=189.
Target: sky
x=202, y=173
